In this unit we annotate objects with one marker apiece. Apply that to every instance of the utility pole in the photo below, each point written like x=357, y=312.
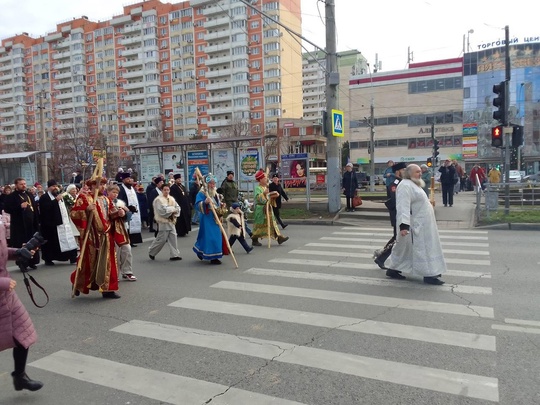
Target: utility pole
x=372, y=147
x=332, y=80
x=44, y=169
x=507, y=127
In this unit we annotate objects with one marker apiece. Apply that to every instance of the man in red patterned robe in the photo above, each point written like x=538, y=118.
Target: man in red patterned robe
x=97, y=266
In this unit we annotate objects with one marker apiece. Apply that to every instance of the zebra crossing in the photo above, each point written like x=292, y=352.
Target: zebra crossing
x=332, y=273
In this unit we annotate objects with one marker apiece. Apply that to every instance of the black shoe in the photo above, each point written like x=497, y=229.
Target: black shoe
x=380, y=263
x=433, y=281
x=200, y=256
x=151, y=230
x=284, y=226
x=23, y=382
x=49, y=263
x=110, y=294
x=450, y=205
x=33, y=266
x=132, y=245
x=72, y=261
x=250, y=249
x=175, y=258
x=255, y=242
x=282, y=239
x=446, y=205
x=395, y=274
x=215, y=261
x=152, y=257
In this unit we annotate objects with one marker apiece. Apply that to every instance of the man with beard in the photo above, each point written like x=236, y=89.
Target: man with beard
x=382, y=255
x=181, y=195
x=24, y=217
x=209, y=244
x=129, y=196
x=263, y=214
x=56, y=227
x=97, y=268
x=418, y=247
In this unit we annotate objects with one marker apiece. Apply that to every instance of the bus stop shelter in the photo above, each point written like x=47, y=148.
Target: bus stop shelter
x=18, y=164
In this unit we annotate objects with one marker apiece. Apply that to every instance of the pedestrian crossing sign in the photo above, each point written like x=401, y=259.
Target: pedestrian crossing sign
x=337, y=123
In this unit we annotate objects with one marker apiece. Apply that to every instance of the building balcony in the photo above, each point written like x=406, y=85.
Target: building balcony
x=6, y=67
x=219, y=98
x=10, y=140
x=137, y=130
x=6, y=114
x=61, y=76
x=218, y=48
x=131, y=40
x=131, y=52
x=8, y=132
x=218, y=123
x=132, y=63
x=135, y=118
x=62, y=44
x=132, y=28
x=134, y=96
x=218, y=22
x=134, y=108
x=198, y=3
x=6, y=96
x=8, y=86
x=135, y=140
x=134, y=73
x=64, y=106
x=63, y=86
x=218, y=73
x=63, y=96
x=217, y=35
x=218, y=61
x=61, y=55
x=218, y=86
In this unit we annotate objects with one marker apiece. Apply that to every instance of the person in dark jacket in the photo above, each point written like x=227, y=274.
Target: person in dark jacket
x=349, y=184
x=448, y=173
x=143, y=205
x=381, y=255
x=275, y=186
x=24, y=217
x=193, y=191
x=152, y=191
x=181, y=195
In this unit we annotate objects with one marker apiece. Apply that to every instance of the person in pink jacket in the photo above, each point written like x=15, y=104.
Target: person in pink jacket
x=16, y=328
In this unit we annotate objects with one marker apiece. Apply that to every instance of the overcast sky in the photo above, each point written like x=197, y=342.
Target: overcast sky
x=432, y=29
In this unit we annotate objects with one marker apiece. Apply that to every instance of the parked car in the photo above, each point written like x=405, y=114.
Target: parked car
x=532, y=178
x=515, y=177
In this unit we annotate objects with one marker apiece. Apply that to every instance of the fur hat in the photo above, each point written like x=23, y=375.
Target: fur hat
x=259, y=175
x=158, y=180
x=177, y=176
x=399, y=166
x=230, y=172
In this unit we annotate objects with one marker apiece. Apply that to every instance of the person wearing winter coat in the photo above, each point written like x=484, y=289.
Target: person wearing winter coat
x=235, y=227
x=349, y=184
x=16, y=329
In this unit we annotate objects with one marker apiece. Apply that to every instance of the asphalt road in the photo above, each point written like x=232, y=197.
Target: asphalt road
x=312, y=321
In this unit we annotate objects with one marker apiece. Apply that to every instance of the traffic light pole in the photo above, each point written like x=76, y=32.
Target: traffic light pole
x=507, y=127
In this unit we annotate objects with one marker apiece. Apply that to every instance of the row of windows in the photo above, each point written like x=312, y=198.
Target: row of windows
x=451, y=117
x=426, y=86
x=410, y=143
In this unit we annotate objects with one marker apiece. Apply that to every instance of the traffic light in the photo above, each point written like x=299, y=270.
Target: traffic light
x=429, y=162
x=496, y=136
x=500, y=102
x=435, y=148
x=517, y=136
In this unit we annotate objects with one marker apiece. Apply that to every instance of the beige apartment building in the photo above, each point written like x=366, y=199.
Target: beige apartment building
x=406, y=103
x=157, y=72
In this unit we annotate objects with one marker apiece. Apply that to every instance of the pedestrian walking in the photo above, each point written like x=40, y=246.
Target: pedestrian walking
x=166, y=212
x=236, y=228
x=418, y=248
x=276, y=186
x=349, y=184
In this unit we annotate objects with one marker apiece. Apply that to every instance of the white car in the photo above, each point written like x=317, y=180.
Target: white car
x=515, y=177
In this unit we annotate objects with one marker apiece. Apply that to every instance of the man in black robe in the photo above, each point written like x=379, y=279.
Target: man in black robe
x=50, y=216
x=181, y=195
x=24, y=217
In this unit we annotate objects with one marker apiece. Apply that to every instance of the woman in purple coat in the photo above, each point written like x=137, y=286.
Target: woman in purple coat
x=16, y=328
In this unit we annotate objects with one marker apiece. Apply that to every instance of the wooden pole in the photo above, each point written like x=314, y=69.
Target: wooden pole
x=97, y=177
x=205, y=191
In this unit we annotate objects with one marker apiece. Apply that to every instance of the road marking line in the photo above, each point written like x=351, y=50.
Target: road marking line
x=443, y=242
x=382, y=241
x=461, y=232
x=463, y=289
x=362, y=299
x=157, y=385
x=419, y=333
x=512, y=328
x=370, y=255
x=451, y=382
x=522, y=322
x=364, y=266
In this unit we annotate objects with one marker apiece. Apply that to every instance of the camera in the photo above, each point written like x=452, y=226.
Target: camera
x=24, y=254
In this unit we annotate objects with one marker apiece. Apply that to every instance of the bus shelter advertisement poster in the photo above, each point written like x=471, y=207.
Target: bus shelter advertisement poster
x=197, y=158
x=173, y=162
x=294, y=171
x=149, y=167
x=250, y=162
x=222, y=161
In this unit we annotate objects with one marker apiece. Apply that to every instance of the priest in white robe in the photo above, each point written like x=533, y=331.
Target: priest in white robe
x=129, y=196
x=418, y=250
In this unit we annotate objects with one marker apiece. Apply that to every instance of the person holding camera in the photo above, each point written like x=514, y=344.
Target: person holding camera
x=16, y=329
x=24, y=217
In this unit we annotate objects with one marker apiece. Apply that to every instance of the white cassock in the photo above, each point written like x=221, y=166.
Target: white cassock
x=419, y=253
x=134, y=225
x=65, y=233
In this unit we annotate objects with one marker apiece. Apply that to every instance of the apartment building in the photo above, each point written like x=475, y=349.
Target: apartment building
x=158, y=72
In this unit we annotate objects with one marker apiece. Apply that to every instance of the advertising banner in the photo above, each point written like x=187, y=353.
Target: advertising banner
x=173, y=162
x=250, y=161
x=222, y=160
x=294, y=169
x=149, y=167
x=197, y=158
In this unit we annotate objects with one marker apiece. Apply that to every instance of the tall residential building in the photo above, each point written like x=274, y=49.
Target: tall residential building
x=157, y=72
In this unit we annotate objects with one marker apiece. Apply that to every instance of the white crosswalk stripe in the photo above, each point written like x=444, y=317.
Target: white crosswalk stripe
x=451, y=382
x=166, y=387
x=442, y=317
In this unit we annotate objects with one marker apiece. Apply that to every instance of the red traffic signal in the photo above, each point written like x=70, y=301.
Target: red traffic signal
x=497, y=136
